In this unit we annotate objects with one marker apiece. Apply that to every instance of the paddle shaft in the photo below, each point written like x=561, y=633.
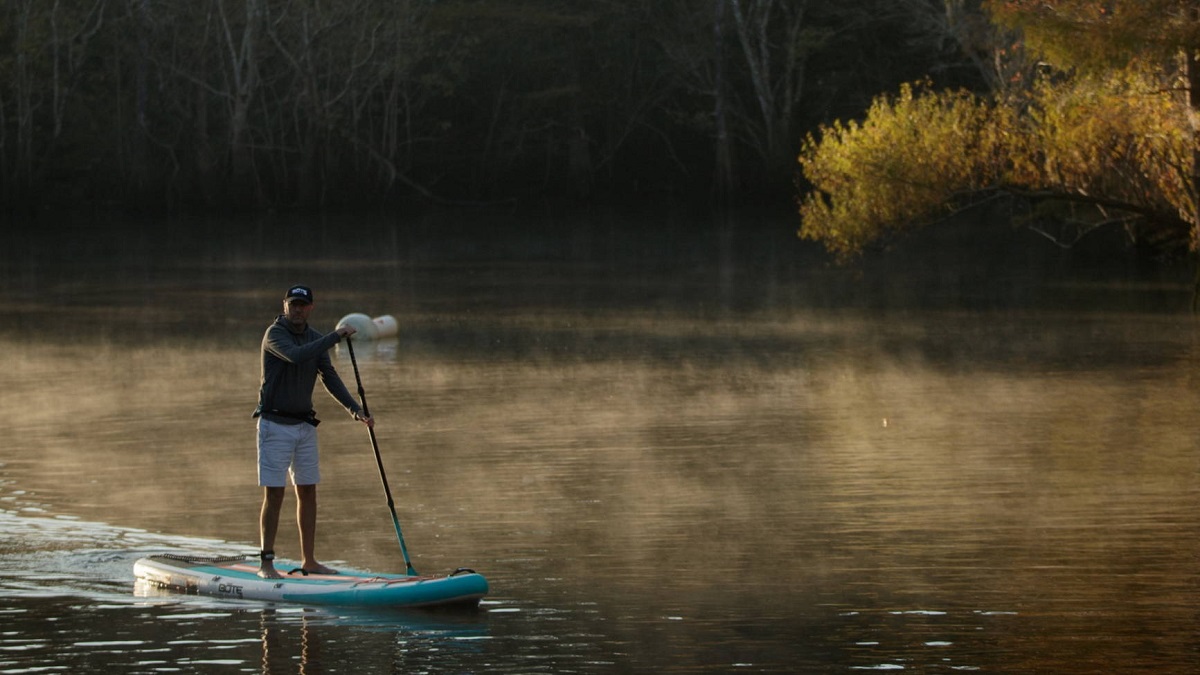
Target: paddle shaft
x=362, y=397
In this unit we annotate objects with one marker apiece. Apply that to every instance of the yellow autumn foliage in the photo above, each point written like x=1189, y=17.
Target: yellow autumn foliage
x=1121, y=142
x=911, y=154
x=1120, y=138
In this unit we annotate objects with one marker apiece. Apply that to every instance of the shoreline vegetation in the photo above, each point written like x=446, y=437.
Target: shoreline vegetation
x=862, y=122
x=289, y=105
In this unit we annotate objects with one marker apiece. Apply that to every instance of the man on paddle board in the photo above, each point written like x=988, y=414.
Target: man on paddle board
x=293, y=356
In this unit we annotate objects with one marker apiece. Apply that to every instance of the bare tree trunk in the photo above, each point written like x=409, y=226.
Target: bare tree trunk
x=22, y=156
x=771, y=34
x=1192, y=64
x=139, y=169
x=243, y=73
x=69, y=50
x=723, y=177
x=1192, y=61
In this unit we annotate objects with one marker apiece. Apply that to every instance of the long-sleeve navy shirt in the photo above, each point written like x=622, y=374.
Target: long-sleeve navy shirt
x=291, y=363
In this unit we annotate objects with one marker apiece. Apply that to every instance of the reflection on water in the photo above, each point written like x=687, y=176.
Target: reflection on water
x=649, y=483
x=63, y=635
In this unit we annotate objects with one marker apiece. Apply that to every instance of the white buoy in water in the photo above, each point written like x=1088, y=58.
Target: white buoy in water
x=387, y=326
x=371, y=329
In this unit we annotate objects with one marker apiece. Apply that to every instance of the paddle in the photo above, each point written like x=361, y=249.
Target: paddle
x=362, y=397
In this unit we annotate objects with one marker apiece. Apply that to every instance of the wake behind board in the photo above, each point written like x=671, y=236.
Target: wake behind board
x=237, y=577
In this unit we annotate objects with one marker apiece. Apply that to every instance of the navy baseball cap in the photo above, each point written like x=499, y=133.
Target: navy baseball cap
x=299, y=293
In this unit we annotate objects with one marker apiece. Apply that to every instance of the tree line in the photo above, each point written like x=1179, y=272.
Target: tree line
x=329, y=104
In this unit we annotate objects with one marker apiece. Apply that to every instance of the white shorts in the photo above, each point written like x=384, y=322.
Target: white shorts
x=287, y=450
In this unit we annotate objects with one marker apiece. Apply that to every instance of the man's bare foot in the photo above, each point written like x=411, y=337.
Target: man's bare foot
x=318, y=568
x=267, y=571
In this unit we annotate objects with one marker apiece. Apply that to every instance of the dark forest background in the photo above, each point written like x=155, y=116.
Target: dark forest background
x=253, y=104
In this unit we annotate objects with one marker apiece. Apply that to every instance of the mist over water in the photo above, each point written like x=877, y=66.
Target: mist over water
x=666, y=452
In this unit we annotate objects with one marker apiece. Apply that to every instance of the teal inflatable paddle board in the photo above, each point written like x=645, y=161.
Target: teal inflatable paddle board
x=237, y=577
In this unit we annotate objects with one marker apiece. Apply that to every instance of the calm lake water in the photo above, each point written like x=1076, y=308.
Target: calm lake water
x=670, y=446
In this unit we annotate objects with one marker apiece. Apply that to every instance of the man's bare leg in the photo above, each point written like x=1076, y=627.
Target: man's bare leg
x=268, y=527
x=306, y=517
